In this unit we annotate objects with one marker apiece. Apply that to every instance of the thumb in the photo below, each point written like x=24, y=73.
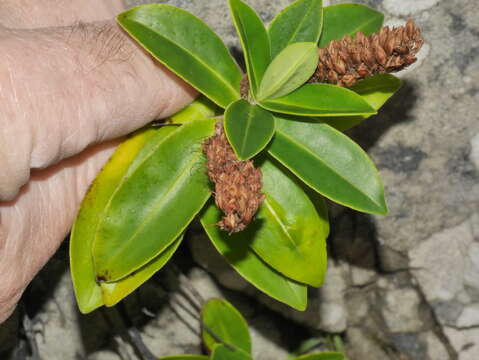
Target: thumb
x=85, y=84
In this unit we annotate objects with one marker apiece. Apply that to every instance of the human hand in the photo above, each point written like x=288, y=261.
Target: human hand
x=66, y=84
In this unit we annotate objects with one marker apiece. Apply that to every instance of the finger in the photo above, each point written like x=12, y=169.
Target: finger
x=27, y=14
x=85, y=84
x=34, y=224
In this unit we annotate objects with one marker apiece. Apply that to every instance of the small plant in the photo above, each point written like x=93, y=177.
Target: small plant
x=226, y=335
x=270, y=141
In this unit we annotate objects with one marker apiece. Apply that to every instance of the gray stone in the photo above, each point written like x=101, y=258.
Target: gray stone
x=362, y=276
x=446, y=267
x=364, y=346
x=408, y=7
x=267, y=339
x=401, y=309
x=332, y=307
x=434, y=346
x=57, y=330
x=104, y=355
x=465, y=342
x=391, y=260
x=447, y=261
x=469, y=316
x=475, y=150
x=409, y=345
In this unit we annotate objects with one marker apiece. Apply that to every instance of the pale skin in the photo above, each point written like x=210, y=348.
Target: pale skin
x=71, y=84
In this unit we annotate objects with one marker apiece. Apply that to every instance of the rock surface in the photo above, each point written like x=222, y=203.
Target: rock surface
x=400, y=287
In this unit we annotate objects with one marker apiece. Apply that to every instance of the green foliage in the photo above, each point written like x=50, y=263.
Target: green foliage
x=223, y=324
x=248, y=127
x=299, y=22
x=113, y=292
x=320, y=100
x=329, y=162
x=200, y=109
x=299, y=59
x=226, y=336
x=347, y=19
x=254, y=40
x=172, y=186
x=223, y=352
x=125, y=160
x=291, y=233
x=238, y=253
x=188, y=47
x=376, y=90
x=133, y=218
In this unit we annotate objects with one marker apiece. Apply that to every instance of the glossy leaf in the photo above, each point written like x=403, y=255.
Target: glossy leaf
x=201, y=108
x=118, y=290
x=151, y=207
x=347, y=19
x=249, y=265
x=322, y=356
x=249, y=128
x=123, y=161
x=184, y=357
x=223, y=352
x=301, y=21
x=320, y=100
x=254, y=41
x=188, y=47
x=221, y=321
x=290, y=235
x=376, y=90
x=289, y=70
x=329, y=162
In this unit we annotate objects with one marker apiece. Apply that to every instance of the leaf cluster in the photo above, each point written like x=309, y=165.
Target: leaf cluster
x=134, y=216
x=226, y=336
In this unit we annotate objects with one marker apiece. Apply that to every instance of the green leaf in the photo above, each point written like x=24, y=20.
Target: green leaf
x=330, y=163
x=152, y=206
x=320, y=100
x=222, y=352
x=188, y=47
x=254, y=41
x=290, y=235
x=116, y=291
x=249, y=265
x=201, y=108
x=322, y=356
x=123, y=161
x=289, y=70
x=376, y=90
x=222, y=322
x=248, y=128
x=348, y=19
x=306, y=346
x=301, y=21
x=184, y=357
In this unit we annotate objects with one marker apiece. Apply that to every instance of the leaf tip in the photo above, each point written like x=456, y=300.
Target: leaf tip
x=88, y=306
x=382, y=208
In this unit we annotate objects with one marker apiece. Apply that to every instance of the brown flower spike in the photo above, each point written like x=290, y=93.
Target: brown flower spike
x=349, y=60
x=237, y=183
